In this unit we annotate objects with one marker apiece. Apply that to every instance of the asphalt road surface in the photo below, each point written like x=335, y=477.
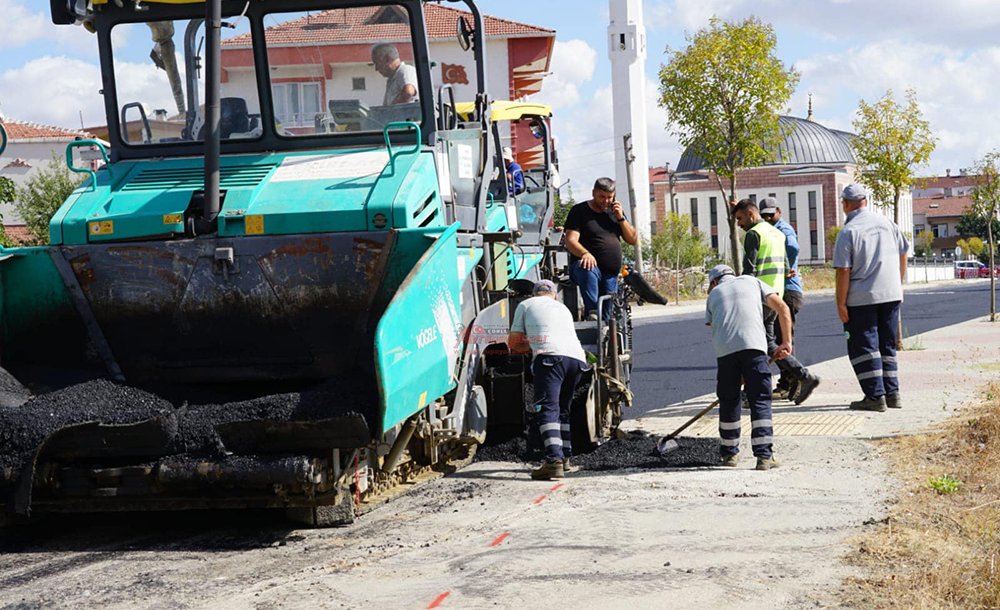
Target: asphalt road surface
x=674, y=360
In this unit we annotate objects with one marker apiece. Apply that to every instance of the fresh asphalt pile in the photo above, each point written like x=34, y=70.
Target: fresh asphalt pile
x=633, y=451
x=344, y=396
x=23, y=428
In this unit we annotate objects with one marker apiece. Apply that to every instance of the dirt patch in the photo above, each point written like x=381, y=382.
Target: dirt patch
x=939, y=546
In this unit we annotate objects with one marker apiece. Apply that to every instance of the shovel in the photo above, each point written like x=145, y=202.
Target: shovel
x=667, y=444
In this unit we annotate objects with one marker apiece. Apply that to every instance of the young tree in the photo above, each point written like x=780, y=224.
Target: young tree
x=923, y=245
x=678, y=245
x=892, y=142
x=42, y=195
x=973, y=246
x=986, y=204
x=722, y=95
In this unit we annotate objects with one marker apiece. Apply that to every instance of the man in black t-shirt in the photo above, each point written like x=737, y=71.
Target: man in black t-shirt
x=593, y=229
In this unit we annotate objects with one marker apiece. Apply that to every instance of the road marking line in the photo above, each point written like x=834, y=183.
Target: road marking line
x=439, y=600
x=500, y=539
x=539, y=499
x=556, y=486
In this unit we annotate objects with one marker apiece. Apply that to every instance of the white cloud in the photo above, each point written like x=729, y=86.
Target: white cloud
x=55, y=90
x=573, y=63
x=954, y=88
x=21, y=25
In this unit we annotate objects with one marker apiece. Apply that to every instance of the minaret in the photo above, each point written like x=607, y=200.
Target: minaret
x=627, y=51
x=809, y=117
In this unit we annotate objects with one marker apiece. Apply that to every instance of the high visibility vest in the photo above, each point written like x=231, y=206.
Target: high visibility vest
x=771, y=256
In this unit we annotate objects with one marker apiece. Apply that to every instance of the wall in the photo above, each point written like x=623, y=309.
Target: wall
x=37, y=155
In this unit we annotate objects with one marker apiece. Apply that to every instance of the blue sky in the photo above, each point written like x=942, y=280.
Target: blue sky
x=845, y=50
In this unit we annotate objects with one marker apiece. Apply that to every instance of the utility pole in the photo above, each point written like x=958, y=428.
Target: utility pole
x=629, y=171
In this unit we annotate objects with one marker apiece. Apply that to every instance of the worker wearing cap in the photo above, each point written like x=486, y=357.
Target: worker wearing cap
x=764, y=258
x=734, y=310
x=771, y=212
x=515, y=175
x=870, y=261
x=545, y=325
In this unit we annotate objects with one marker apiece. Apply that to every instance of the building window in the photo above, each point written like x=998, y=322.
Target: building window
x=812, y=206
x=772, y=195
x=917, y=229
x=296, y=104
x=814, y=243
x=793, y=211
x=715, y=242
x=694, y=212
x=713, y=212
x=940, y=230
x=358, y=84
x=753, y=198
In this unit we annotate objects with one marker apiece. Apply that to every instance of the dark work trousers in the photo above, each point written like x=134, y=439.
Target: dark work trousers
x=871, y=346
x=788, y=365
x=555, y=379
x=748, y=368
x=792, y=298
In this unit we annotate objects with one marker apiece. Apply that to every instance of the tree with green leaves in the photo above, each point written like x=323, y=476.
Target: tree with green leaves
x=972, y=246
x=722, y=95
x=892, y=141
x=986, y=205
x=42, y=195
x=923, y=245
x=972, y=224
x=678, y=245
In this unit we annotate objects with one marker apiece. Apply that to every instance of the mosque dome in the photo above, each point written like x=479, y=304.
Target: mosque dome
x=806, y=142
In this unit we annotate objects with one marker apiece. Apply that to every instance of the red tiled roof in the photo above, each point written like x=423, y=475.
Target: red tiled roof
x=658, y=174
x=940, y=182
x=353, y=25
x=941, y=207
x=18, y=234
x=19, y=130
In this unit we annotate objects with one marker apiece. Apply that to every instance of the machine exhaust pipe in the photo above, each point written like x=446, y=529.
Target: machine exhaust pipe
x=213, y=77
x=399, y=445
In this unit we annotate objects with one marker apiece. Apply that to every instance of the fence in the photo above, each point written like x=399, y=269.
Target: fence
x=930, y=269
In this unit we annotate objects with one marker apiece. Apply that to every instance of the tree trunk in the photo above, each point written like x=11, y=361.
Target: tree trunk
x=993, y=279
x=899, y=320
x=734, y=242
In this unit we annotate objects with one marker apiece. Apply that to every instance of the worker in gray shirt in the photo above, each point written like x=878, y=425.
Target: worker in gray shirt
x=401, y=86
x=734, y=310
x=870, y=261
x=543, y=324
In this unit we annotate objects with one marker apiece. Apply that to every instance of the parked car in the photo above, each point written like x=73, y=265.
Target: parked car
x=965, y=270
x=984, y=271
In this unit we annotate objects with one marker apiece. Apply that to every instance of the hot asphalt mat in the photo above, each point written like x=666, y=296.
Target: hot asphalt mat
x=634, y=451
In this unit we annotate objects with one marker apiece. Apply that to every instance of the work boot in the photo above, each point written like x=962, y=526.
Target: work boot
x=591, y=316
x=779, y=392
x=893, y=401
x=793, y=389
x=568, y=468
x=767, y=463
x=548, y=471
x=806, y=387
x=869, y=404
x=730, y=461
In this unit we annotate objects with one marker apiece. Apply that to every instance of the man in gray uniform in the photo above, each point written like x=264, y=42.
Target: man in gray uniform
x=870, y=259
x=546, y=326
x=401, y=86
x=734, y=310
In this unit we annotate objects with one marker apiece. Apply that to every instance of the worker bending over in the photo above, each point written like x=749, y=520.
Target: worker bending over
x=734, y=310
x=545, y=325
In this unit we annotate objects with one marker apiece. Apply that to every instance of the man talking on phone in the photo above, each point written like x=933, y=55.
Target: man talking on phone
x=593, y=232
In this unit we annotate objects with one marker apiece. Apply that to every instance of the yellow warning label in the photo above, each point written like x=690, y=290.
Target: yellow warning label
x=423, y=400
x=173, y=219
x=255, y=224
x=104, y=227
x=503, y=309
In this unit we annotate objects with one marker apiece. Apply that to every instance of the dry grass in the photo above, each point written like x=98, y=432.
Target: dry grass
x=818, y=278
x=938, y=550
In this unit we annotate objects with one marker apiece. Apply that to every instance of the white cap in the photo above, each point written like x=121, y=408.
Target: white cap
x=508, y=154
